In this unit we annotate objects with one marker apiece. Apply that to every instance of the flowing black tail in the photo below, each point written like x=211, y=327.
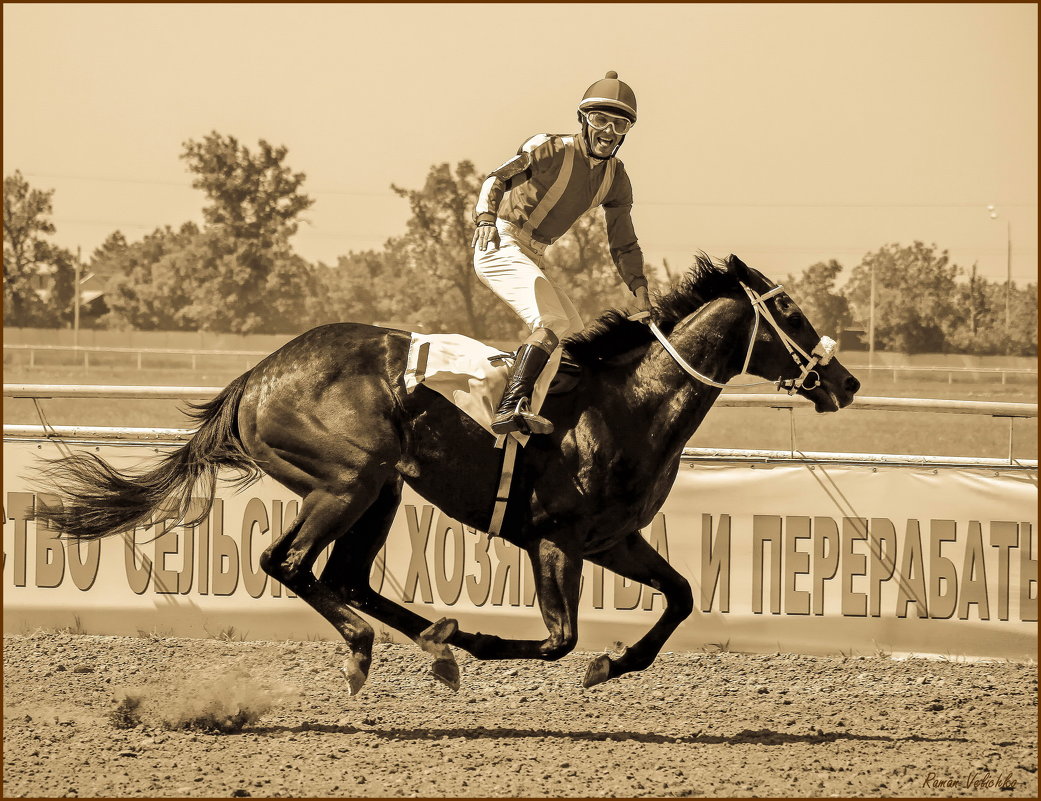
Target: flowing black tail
x=98, y=500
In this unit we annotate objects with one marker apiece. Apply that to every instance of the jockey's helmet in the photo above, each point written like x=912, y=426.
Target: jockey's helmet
x=610, y=94
x=608, y=103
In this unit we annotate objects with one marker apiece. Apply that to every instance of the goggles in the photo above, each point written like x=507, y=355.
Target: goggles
x=601, y=120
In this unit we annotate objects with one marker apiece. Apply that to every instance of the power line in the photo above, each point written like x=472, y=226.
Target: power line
x=638, y=202
x=188, y=185
x=824, y=205
x=103, y=179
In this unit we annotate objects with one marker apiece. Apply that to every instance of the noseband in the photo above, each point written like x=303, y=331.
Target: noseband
x=822, y=353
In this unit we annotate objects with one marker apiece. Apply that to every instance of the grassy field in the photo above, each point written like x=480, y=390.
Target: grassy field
x=850, y=431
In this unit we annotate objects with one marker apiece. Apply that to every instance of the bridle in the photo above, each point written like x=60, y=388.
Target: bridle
x=822, y=352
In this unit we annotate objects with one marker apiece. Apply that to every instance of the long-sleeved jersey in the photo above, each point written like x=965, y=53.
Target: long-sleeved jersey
x=551, y=183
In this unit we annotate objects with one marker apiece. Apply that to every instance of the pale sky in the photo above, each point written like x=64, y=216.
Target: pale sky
x=787, y=134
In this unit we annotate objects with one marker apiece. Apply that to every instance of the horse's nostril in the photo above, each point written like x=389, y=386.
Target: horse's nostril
x=852, y=385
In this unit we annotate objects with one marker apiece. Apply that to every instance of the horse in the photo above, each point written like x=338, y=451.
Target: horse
x=327, y=416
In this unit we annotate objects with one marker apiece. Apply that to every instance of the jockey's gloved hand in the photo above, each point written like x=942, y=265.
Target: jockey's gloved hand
x=486, y=236
x=642, y=310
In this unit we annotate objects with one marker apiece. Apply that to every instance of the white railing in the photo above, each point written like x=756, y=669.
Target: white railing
x=989, y=408
x=896, y=369
x=1011, y=411
x=248, y=357
x=251, y=357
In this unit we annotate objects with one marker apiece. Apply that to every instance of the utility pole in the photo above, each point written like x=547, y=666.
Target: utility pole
x=973, y=312
x=76, y=302
x=1008, y=266
x=1008, y=275
x=871, y=321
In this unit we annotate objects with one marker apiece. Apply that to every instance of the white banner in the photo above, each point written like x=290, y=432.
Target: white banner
x=811, y=558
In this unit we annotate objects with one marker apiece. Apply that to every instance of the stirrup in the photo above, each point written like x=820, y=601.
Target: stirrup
x=534, y=423
x=524, y=420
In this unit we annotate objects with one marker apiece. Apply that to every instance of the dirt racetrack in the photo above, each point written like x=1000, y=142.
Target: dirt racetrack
x=694, y=724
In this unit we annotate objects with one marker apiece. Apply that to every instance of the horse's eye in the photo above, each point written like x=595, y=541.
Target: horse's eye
x=797, y=319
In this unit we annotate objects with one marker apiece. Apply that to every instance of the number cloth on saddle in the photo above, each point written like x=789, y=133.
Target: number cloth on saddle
x=467, y=373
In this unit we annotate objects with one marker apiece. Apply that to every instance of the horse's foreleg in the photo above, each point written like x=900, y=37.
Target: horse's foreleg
x=635, y=559
x=323, y=516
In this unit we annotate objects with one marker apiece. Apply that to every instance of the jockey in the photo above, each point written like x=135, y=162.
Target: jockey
x=530, y=202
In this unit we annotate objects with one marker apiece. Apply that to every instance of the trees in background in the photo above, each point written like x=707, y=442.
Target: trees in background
x=238, y=272
x=361, y=286
x=920, y=306
x=815, y=291
x=914, y=286
x=39, y=276
x=151, y=286
x=983, y=329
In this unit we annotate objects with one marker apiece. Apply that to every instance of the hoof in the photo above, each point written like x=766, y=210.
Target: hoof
x=432, y=640
x=356, y=670
x=446, y=671
x=599, y=670
x=439, y=632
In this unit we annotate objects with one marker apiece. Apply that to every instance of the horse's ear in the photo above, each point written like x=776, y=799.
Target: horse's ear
x=736, y=266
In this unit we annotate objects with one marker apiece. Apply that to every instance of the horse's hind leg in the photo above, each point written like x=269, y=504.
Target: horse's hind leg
x=323, y=517
x=558, y=574
x=348, y=569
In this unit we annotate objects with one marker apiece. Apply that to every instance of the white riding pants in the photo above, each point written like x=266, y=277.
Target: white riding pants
x=514, y=273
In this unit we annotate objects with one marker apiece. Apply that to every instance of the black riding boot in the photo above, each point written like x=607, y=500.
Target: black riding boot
x=514, y=412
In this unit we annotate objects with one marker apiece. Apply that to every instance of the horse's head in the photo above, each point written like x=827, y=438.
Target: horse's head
x=788, y=348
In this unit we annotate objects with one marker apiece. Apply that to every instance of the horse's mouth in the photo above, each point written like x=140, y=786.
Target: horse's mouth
x=824, y=400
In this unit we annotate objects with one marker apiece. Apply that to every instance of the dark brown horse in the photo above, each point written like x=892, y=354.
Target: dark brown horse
x=327, y=415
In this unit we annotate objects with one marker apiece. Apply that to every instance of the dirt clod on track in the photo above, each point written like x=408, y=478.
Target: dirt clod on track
x=693, y=724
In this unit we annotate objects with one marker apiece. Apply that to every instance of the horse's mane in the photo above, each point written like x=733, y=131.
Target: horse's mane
x=613, y=334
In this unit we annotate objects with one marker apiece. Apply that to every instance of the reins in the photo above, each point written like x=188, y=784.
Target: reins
x=822, y=353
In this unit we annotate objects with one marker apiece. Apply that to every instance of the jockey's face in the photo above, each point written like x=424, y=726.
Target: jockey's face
x=602, y=134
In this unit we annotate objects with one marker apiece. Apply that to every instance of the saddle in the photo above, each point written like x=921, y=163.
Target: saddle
x=472, y=375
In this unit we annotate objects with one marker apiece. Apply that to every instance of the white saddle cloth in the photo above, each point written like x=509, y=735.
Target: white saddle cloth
x=458, y=368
